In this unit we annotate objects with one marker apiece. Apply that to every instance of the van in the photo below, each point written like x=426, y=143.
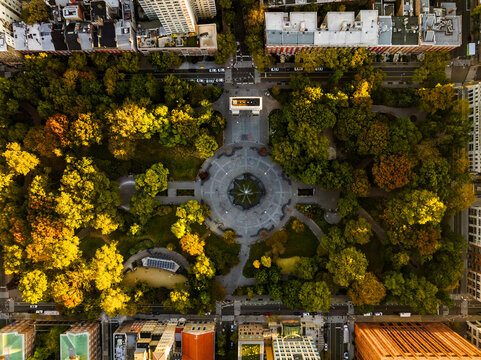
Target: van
x=405, y=314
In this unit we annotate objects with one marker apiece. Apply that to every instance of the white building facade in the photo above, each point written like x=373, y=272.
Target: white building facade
x=472, y=92
x=10, y=11
x=474, y=251
x=178, y=16
x=474, y=333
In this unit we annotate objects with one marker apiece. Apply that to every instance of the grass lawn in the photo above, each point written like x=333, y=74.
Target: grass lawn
x=300, y=244
x=181, y=164
x=287, y=265
x=90, y=244
x=153, y=277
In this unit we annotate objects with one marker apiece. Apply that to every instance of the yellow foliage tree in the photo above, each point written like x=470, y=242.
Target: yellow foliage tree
x=266, y=261
x=114, y=302
x=106, y=266
x=67, y=288
x=33, y=286
x=19, y=161
x=256, y=264
x=191, y=244
x=203, y=268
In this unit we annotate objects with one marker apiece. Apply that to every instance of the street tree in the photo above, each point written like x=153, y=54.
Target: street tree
x=347, y=266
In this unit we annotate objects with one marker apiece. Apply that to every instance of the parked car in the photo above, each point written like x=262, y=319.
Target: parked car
x=319, y=69
x=267, y=314
x=220, y=70
x=297, y=314
x=298, y=69
x=34, y=306
x=38, y=311
x=274, y=69
x=326, y=346
x=368, y=314
x=378, y=314
x=212, y=70
x=346, y=355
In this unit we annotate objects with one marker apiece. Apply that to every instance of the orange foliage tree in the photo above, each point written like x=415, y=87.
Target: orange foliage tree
x=392, y=172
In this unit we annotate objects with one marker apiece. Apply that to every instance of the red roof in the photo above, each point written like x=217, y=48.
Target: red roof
x=198, y=347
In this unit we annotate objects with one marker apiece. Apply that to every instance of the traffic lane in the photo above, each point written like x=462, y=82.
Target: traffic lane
x=336, y=343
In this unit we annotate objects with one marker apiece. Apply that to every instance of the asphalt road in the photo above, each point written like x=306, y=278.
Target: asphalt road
x=336, y=343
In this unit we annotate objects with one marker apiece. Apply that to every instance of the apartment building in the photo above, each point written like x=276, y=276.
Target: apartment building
x=472, y=92
x=434, y=29
x=82, y=340
x=474, y=333
x=10, y=11
x=403, y=341
x=198, y=340
x=250, y=335
x=17, y=340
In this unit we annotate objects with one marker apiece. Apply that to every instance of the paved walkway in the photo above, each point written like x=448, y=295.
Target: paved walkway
x=311, y=224
x=378, y=230
x=235, y=278
x=400, y=112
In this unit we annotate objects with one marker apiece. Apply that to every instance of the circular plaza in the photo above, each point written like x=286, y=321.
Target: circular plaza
x=246, y=191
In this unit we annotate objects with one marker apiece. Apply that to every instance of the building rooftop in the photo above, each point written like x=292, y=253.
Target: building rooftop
x=412, y=341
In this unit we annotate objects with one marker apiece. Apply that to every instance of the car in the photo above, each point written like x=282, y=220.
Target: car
x=199, y=80
x=378, y=314
x=267, y=314
x=267, y=93
x=346, y=355
x=326, y=346
x=298, y=69
x=38, y=311
x=345, y=327
x=212, y=70
x=219, y=80
x=220, y=70
x=319, y=69
x=297, y=313
x=34, y=306
x=368, y=314
x=274, y=69
x=209, y=81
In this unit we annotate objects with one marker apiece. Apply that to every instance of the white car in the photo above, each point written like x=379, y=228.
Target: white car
x=34, y=306
x=274, y=69
x=319, y=69
x=326, y=347
x=212, y=70
x=220, y=70
x=368, y=314
x=39, y=311
x=298, y=69
x=378, y=314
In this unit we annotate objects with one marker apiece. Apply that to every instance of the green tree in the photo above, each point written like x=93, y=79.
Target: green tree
x=358, y=231
x=347, y=266
x=306, y=268
x=205, y=146
x=309, y=60
x=369, y=291
x=143, y=207
x=226, y=46
x=35, y=11
x=315, y=296
x=86, y=130
x=153, y=181
x=129, y=62
x=164, y=61
x=290, y=290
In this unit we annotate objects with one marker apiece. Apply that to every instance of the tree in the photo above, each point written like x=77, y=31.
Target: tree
x=14, y=259
x=290, y=290
x=374, y=139
x=460, y=197
x=111, y=77
x=77, y=61
x=404, y=136
x=179, y=300
x=86, y=130
x=107, y=266
x=347, y=266
x=203, y=268
x=191, y=244
x=67, y=289
x=276, y=242
x=114, y=302
x=426, y=240
x=256, y=264
x=358, y=231
x=226, y=46
x=309, y=60
x=33, y=286
x=414, y=207
x=143, y=207
x=229, y=236
x=164, y=61
x=266, y=261
x=20, y=162
x=360, y=184
x=315, y=296
x=334, y=241
x=369, y=291
x=306, y=268
x=438, y=98
x=87, y=197
x=433, y=70
x=129, y=62
x=392, y=172
x=35, y=11
x=347, y=205
x=205, y=146
x=297, y=225
x=153, y=181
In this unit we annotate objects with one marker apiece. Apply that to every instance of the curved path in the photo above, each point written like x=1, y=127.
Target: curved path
x=378, y=230
x=400, y=112
x=311, y=224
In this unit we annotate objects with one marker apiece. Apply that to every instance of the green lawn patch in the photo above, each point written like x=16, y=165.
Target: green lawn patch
x=287, y=265
x=90, y=244
x=257, y=251
x=300, y=243
x=180, y=162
